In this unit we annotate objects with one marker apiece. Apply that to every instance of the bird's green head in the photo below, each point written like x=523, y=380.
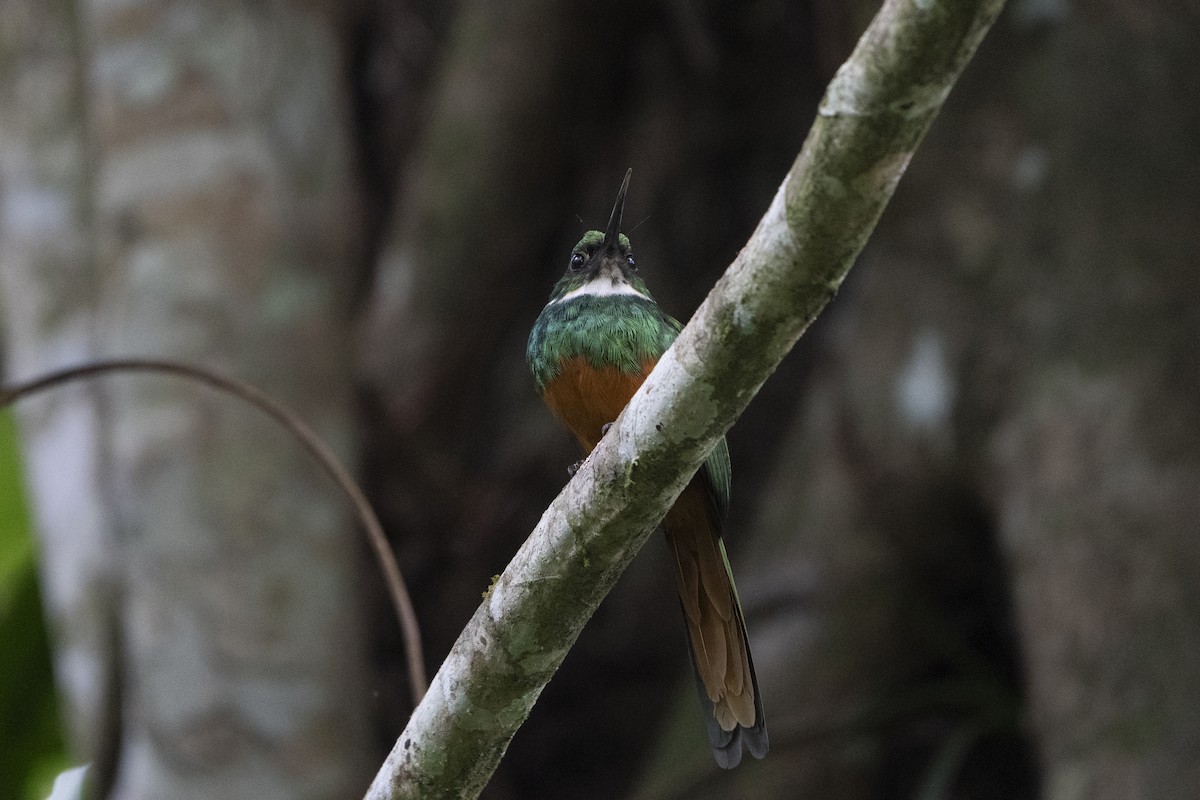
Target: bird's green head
x=602, y=263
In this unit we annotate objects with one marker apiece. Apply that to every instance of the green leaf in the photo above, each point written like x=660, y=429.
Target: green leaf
x=16, y=545
x=31, y=740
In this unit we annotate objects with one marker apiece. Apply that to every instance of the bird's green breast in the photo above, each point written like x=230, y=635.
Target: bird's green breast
x=618, y=330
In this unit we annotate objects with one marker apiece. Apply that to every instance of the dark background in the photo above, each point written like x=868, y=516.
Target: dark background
x=964, y=509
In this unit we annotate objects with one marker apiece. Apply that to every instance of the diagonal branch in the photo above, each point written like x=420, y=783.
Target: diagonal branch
x=872, y=118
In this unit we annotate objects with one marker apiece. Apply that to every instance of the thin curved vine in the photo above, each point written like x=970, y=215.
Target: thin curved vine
x=316, y=447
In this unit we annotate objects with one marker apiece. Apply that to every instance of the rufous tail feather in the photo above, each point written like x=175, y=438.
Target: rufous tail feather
x=716, y=633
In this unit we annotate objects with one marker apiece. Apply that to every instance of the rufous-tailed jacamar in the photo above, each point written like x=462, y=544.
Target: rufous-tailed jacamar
x=590, y=349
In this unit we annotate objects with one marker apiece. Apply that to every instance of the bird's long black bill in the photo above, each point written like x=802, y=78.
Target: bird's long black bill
x=613, y=232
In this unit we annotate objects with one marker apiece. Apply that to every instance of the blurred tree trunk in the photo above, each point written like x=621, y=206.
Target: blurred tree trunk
x=177, y=182
x=47, y=266
x=1087, y=194
x=978, y=561
x=1021, y=335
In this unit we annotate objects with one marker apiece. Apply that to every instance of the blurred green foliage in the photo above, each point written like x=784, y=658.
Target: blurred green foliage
x=32, y=751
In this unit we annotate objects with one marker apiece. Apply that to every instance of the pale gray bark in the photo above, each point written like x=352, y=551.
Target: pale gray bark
x=183, y=190
x=873, y=117
x=49, y=279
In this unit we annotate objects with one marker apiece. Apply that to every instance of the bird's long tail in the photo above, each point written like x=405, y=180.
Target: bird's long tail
x=716, y=632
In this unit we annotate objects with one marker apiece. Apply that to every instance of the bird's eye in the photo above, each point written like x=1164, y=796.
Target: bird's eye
x=631, y=262
x=576, y=260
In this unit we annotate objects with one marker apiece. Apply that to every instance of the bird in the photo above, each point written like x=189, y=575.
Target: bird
x=591, y=347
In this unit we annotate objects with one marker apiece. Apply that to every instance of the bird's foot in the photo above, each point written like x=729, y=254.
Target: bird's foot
x=571, y=470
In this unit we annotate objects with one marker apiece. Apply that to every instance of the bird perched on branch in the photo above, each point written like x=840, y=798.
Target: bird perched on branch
x=590, y=349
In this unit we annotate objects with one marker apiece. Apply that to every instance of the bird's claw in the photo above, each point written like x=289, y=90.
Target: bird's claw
x=571, y=470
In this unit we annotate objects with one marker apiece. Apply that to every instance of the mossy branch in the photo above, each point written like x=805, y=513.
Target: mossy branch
x=873, y=115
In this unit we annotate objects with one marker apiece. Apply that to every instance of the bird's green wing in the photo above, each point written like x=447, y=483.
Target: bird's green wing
x=717, y=472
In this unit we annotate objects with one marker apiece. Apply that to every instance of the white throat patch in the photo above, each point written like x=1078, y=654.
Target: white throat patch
x=600, y=286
